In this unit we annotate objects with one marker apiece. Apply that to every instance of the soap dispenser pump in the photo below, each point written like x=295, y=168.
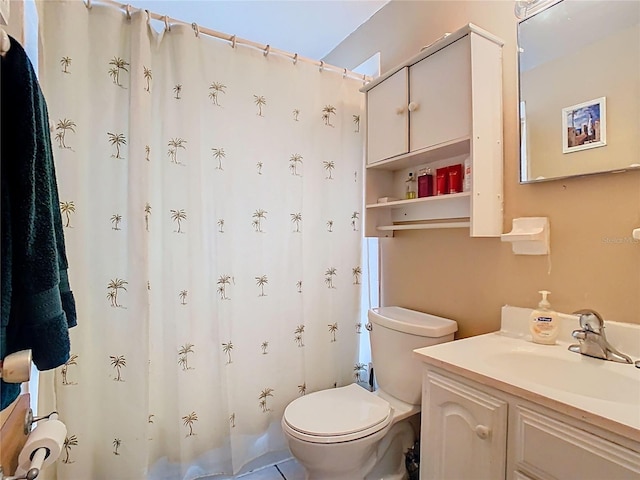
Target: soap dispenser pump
x=544, y=322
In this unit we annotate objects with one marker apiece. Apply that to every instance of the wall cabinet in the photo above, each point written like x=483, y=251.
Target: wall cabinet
x=437, y=109
x=470, y=431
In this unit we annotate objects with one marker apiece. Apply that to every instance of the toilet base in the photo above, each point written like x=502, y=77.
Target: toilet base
x=377, y=457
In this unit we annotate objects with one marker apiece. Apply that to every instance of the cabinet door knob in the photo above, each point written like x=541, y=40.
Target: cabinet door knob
x=483, y=432
x=413, y=106
x=399, y=110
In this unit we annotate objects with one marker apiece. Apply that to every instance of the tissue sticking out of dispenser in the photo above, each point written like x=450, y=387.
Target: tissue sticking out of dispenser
x=529, y=236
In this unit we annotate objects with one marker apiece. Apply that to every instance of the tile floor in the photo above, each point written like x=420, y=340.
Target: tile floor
x=288, y=470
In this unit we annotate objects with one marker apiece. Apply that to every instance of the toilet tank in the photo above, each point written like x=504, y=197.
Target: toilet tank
x=395, y=333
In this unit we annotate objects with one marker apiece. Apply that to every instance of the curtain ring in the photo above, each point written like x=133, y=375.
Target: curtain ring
x=128, y=10
x=321, y=66
x=196, y=29
x=167, y=25
x=233, y=41
x=88, y=4
x=266, y=50
x=295, y=59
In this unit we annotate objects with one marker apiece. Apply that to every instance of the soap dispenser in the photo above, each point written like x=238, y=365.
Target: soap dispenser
x=544, y=322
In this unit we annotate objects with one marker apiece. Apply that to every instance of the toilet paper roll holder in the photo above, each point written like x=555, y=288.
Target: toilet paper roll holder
x=39, y=456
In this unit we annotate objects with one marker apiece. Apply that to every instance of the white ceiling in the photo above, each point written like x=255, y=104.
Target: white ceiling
x=311, y=28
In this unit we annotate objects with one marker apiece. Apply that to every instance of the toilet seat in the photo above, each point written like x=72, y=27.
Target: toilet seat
x=337, y=415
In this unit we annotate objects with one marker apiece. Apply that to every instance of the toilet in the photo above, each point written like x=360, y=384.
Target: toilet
x=349, y=433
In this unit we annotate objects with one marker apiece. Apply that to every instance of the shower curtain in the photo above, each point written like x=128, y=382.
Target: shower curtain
x=211, y=199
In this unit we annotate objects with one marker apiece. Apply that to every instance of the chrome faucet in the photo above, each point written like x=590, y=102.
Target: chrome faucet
x=592, y=340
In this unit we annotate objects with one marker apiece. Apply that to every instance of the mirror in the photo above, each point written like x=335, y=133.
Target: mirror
x=579, y=76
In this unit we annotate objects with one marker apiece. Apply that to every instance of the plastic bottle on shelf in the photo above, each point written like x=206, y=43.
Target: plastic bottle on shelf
x=411, y=187
x=466, y=181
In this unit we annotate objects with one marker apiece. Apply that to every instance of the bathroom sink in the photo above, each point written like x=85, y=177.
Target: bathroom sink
x=603, y=393
x=572, y=373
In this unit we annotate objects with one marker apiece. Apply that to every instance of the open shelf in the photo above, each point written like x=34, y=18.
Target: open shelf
x=424, y=226
x=416, y=201
x=441, y=151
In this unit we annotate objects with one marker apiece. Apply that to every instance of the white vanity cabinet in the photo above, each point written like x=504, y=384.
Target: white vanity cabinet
x=439, y=108
x=474, y=432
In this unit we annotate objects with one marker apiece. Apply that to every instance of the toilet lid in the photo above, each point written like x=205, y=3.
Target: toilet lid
x=338, y=412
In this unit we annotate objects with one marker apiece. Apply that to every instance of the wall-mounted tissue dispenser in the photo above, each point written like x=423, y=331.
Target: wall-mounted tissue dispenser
x=529, y=236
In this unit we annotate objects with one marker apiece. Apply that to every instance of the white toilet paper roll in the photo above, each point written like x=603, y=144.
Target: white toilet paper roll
x=49, y=434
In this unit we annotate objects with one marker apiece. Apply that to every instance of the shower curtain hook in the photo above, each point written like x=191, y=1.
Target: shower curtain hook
x=295, y=59
x=344, y=74
x=321, y=66
x=233, y=41
x=167, y=25
x=266, y=50
x=196, y=28
x=128, y=10
x=88, y=4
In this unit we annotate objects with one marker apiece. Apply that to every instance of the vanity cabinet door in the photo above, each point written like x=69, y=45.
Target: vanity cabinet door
x=388, y=118
x=546, y=448
x=464, y=432
x=440, y=96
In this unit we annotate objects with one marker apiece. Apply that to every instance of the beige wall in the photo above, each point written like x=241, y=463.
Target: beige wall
x=594, y=262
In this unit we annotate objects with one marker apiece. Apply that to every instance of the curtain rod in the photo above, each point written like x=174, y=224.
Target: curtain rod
x=233, y=39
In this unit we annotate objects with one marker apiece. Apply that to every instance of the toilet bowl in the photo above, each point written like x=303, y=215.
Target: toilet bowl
x=349, y=433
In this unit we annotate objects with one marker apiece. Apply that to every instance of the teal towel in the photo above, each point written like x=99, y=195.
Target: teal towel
x=37, y=303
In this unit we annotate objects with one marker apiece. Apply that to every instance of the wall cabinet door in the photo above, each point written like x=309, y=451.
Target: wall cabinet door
x=440, y=96
x=464, y=432
x=388, y=118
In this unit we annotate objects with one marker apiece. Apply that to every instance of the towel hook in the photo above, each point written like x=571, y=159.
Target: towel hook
x=167, y=25
x=196, y=29
x=5, y=42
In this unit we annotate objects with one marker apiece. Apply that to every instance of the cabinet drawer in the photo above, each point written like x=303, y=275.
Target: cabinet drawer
x=549, y=449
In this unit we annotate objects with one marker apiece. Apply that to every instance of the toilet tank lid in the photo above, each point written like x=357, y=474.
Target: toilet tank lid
x=412, y=322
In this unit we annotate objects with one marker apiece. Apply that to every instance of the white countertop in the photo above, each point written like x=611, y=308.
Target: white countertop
x=602, y=393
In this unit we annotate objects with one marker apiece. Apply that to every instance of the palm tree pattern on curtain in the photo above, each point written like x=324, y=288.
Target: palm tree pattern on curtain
x=287, y=172
x=64, y=125
x=64, y=370
x=69, y=442
x=66, y=209
x=215, y=89
x=66, y=63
